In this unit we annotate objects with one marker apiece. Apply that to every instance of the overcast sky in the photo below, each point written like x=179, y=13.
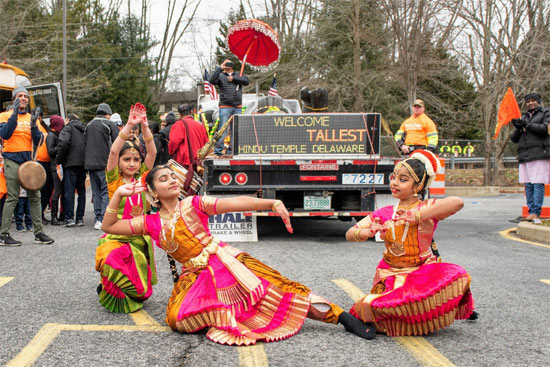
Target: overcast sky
x=198, y=45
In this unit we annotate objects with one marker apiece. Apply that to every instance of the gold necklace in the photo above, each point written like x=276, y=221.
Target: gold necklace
x=165, y=216
x=409, y=206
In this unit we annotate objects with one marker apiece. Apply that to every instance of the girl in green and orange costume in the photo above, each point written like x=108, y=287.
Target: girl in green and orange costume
x=126, y=263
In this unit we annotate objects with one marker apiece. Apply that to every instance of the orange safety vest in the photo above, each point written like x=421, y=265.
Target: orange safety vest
x=20, y=140
x=42, y=153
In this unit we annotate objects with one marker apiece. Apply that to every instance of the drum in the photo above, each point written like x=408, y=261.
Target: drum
x=181, y=173
x=31, y=175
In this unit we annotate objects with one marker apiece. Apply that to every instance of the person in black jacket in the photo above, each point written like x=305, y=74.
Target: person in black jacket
x=52, y=140
x=230, y=85
x=533, y=137
x=161, y=139
x=70, y=154
x=100, y=134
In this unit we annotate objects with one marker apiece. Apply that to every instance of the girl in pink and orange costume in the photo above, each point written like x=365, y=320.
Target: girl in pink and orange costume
x=237, y=297
x=412, y=293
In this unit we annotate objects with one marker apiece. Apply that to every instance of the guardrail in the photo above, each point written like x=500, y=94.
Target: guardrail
x=451, y=161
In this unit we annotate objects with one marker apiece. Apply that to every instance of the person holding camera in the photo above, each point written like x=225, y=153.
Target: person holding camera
x=532, y=136
x=230, y=85
x=19, y=131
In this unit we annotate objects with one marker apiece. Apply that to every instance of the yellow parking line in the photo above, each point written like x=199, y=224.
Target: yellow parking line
x=545, y=281
x=253, y=356
x=351, y=289
x=423, y=351
x=47, y=334
x=5, y=280
x=506, y=234
x=142, y=318
x=36, y=347
x=417, y=346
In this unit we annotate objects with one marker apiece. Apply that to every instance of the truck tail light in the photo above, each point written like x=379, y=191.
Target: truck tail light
x=225, y=178
x=241, y=178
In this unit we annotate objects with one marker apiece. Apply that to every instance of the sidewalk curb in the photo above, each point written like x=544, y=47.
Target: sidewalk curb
x=534, y=232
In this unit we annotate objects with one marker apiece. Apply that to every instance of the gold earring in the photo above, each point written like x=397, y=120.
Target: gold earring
x=415, y=194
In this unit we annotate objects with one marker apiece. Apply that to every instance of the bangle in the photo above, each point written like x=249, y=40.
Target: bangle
x=123, y=136
x=112, y=211
x=276, y=204
x=357, y=235
x=418, y=216
x=131, y=227
x=147, y=140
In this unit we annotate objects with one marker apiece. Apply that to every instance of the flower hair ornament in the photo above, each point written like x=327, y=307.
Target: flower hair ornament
x=430, y=161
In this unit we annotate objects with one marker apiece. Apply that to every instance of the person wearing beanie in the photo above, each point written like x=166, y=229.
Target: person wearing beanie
x=19, y=130
x=100, y=133
x=115, y=117
x=417, y=132
x=531, y=133
x=56, y=125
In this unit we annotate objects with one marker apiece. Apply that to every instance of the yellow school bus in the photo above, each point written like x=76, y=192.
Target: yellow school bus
x=46, y=96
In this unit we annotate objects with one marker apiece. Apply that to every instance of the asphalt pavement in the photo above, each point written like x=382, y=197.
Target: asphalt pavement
x=50, y=315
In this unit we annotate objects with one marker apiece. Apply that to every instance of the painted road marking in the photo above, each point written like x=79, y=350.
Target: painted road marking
x=418, y=347
x=250, y=356
x=545, y=281
x=47, y=334
x=506, y=234
x=5, y=280
x=142, y=318
x=253, y=356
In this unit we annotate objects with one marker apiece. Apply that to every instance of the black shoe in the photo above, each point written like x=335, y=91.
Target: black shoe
x=55, y=222
x=79, y=222
x=356, y=326
x=7, y=240
x=70, y=223
x=43, y=239
x=99, y=289
x=473, y=316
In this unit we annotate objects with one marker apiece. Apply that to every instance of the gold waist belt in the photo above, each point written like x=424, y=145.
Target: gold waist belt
x=201, y=260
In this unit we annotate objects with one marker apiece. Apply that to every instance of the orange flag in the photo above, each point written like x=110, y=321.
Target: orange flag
x=508, y=110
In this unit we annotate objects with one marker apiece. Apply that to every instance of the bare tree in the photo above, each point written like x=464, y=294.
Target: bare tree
x=179, y=16
x=503, y=45
x=414, y=26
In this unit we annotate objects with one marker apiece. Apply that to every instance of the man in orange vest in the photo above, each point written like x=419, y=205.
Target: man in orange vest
x=417, y=132
x=19, y=131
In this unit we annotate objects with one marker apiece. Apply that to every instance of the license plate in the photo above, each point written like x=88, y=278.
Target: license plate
x=317, y=202
x=363, y=179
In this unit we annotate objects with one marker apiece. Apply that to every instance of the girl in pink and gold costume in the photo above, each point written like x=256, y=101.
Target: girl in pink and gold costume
x=412, y=293
x=237, y=297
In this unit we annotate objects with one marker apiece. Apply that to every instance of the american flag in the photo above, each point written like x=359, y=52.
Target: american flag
x=273, y=90
x=209, y=88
